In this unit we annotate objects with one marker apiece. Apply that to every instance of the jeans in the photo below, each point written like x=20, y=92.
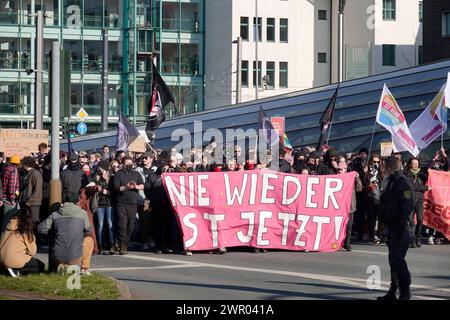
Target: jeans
x=103, y=213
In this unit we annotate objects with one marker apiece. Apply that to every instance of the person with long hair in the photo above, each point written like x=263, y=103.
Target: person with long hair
x=18, y=246
x=414, y=173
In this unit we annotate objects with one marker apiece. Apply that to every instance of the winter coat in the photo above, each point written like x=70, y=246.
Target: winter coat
x=16, y=250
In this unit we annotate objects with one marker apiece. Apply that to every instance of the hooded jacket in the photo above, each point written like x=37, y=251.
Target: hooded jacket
x=71, y=178
x=70, y=223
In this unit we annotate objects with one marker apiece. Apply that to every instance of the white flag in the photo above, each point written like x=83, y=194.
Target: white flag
x=391, y=117
x=447, y=93
x=432, y=122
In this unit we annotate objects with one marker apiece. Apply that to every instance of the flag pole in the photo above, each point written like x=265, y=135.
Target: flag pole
x=371, y=139
x=329, y=132
x=442, y=139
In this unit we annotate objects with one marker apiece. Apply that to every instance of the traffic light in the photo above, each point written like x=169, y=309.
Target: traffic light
x=62, y=131
x=71, y=130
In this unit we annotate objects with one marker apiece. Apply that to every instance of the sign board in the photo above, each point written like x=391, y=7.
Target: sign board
x=138, y=145
x=82, y=128
x=278, y=125
x=21, y=142
x=82, y=114
x=144, y=134
x=386, y=148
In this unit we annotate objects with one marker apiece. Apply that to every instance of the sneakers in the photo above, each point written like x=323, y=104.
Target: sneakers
x=376, y=240
x=438, y=241
x=222, y=250
x=84, y=272
x=188, y=253
x=14, y=273
x=62, y=268
x=256, y=250
x=430, y=240
x=100, y=252
x=112, y=251
x=123, y=252
x=145, y=247
x=413, y=244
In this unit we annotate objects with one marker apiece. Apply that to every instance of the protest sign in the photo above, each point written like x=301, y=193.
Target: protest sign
x=261, y=208
x=21, y=142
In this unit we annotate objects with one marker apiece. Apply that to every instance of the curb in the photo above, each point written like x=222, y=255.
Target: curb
x=124, y=291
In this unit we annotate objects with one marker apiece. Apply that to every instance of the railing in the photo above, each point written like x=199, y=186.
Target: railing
x=185, y=25
x=11, y=62
x=15, y=109
x=185, y=68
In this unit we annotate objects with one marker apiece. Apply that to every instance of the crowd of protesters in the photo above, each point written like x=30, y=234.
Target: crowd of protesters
x=110, y=199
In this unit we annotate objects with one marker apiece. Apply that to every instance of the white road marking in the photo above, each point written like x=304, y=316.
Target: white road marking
x=356, y=282
x=371, y=252
x=146, y=268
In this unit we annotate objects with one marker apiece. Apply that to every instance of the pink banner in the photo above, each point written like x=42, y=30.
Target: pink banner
x=436, y=203
x=261, y=208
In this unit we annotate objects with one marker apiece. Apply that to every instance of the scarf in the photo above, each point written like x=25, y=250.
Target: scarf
x=414, y=172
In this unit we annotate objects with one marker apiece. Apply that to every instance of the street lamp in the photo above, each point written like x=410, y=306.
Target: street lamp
x=341, y=41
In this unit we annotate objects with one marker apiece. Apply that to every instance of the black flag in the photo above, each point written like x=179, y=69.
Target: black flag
x=161, y=96
x=326, y=118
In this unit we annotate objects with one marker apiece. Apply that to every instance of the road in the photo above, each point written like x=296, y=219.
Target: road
x=240, y=274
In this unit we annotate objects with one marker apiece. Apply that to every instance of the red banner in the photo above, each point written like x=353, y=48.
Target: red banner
x=436, y=203
x=261, y=208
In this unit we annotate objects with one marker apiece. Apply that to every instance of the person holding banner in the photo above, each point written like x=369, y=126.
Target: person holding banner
x=397, y=203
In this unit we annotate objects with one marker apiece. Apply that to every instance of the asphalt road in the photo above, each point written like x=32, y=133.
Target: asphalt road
x=240, y=274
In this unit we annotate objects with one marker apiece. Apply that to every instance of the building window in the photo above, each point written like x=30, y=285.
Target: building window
x=446, y=24
x=244, y=73
x=269, y=78
x=389, y=10
x=259, y=74
x=283, y=74
x=420, y=53
x=420, y=11
x=283, y=30
x=244, y=28
x=270, y=36
x=322, y=57
x=259, y=26
x=388, y=55
x=322, y=14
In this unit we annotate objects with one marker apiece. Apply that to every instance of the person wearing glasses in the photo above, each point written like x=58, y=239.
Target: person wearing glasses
x=114, y=169
x=372, y=182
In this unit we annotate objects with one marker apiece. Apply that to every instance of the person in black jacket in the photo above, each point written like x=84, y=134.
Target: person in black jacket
x=328, y=165
x=127, y=184
x=414, y=173
x=104, y=211
x=397, y=203
x=71, y=176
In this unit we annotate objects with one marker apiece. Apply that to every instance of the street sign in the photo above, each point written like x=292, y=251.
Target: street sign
x=82, y=128
x=82, y=114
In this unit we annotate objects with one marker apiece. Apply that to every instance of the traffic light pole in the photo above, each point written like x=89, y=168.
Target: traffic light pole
x=55, y=182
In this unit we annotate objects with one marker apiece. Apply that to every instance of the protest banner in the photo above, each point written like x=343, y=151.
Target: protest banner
x=21, y=142
x=436, y=203
x=261, y=208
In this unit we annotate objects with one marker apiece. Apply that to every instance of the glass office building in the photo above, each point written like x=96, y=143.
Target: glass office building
x=354, y=116
x=136, y=29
